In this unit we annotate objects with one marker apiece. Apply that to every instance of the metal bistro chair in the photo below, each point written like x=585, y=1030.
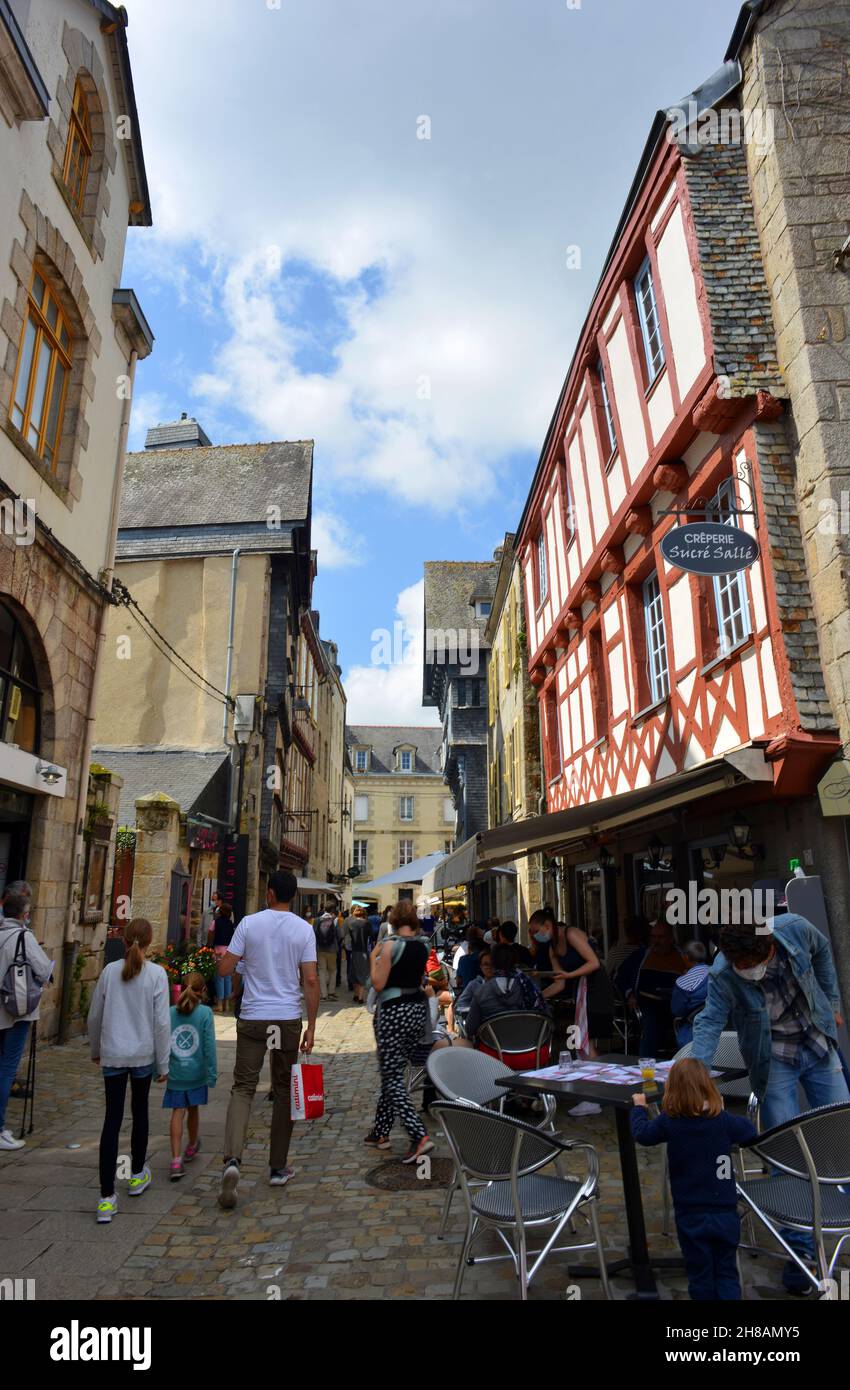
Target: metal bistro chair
x=727, y=1054
x=468, y=1077
x=808, y=1188
x=499, y=1162
x=627, y=1022
x=520, y=1038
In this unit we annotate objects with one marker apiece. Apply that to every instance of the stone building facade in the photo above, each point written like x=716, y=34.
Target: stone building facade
x=70, y=337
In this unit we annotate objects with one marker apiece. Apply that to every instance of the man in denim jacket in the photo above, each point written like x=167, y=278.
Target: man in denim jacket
x=778, y=988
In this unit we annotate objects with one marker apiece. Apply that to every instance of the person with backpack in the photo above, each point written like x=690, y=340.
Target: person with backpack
x=327, y=947
x=507, y=991
x=24, y=971
x=129, y=1027
x=357, y=940
x=192, y=1069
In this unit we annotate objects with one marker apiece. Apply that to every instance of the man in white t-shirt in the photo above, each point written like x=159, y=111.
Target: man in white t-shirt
x=277, y=952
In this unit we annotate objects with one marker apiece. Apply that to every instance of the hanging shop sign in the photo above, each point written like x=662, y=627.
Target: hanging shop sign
x=707, y=547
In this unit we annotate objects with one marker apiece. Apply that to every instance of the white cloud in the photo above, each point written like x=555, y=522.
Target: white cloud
x=337, y=545
x=391, y=692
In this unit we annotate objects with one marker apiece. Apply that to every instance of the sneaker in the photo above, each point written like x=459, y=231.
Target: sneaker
x=106, y=1209
x=192, y=1151
x=376, y=1141
x=177, y=1170
x=279, y=1177
x=422, y=1146
x=8, y=1140
x=139, y=1181
x=229, y=1184
x=333, y=996
x=586, y=1107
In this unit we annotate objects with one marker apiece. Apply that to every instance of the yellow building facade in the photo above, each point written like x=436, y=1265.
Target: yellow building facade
x=513, y=741
x=402, y=808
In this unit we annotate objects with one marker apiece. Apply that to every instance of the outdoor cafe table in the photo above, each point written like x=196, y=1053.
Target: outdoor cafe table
x=639, y=1261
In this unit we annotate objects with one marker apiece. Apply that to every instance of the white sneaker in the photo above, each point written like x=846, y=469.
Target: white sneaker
x=586, y=1107
x=106, y=1209
x=8, y=1140
x=139, y=1182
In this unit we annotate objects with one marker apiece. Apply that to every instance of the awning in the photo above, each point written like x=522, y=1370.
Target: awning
x=414, y=872
x=556, y=830
x=312, y=885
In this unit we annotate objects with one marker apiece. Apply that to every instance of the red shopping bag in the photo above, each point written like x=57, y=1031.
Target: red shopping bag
x=307, y=1091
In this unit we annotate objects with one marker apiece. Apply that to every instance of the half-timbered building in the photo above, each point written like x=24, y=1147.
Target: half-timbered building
x=688, y=713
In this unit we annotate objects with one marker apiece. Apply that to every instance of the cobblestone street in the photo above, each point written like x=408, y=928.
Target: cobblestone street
x=329, y=1234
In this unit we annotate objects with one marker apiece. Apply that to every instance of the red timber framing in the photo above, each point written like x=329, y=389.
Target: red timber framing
x=600, y=512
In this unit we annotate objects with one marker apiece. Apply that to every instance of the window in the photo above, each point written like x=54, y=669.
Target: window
x=79, y=147
x=361, y=760
x=517, y=770
x=361, y=855
x=44, y=366
x=650, y=326
x=483, y=607
x=405, y=808
x=542, y=569
x=730, y=590
x=405, y=852
x=656, y=640
x=361, y=808
x=609, y=434
x=468, y=693
x=20, y=698
x=405, y=760
x=447, y=846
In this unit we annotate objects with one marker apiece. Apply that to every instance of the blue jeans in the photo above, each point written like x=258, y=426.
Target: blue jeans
x=709, y=1243
x=823, y=1083
x=12, y=1043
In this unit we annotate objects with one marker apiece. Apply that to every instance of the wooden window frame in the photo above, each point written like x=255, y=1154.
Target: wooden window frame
x=79, y=131
x=44, y=332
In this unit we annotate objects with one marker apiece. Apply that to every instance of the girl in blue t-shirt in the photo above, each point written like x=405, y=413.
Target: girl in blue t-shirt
x=192, y=1068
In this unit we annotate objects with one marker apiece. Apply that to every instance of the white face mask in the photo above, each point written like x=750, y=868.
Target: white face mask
x=756, y=972
x=542, y=937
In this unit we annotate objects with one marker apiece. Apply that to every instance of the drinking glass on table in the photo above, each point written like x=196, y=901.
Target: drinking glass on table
x=647, y=1068
x=564, y=1061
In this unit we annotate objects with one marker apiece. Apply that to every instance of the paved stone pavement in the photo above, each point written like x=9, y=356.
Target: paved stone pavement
x=329, y=1234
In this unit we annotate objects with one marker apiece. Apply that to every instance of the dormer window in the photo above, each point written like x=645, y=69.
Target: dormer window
x=483, y=607
x=361, y=759
x=405, y=758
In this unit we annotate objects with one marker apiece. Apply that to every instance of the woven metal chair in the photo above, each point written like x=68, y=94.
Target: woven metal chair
x=628, y=1023
x=468, y=1077
x=518, y=1034
x=808, y=1186
x=499, y=1162
x=727, y=1054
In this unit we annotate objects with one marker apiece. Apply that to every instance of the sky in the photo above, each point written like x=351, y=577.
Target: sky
x=378, y=224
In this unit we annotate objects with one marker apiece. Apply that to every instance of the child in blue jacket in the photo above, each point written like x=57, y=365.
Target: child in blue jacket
x=699, y=1135
x=192, y=1068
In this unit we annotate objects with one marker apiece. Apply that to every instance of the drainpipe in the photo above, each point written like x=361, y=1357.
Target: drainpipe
x=234, y=572
x=106, y=578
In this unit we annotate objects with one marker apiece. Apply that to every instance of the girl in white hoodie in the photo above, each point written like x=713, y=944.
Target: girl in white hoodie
x=129, y=1028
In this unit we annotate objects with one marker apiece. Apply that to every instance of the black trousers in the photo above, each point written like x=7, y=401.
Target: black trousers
x=116, y=1092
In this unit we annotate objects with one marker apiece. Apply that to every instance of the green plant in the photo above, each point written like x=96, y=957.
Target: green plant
x=125, y=838
x=81, y=985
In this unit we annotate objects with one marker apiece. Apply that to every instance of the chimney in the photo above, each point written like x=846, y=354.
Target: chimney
x=184, y=433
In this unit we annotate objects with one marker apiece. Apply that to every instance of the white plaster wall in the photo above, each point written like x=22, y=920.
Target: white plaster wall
x=680, y=298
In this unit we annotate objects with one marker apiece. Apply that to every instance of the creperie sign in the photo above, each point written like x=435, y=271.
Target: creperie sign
x=709, y=548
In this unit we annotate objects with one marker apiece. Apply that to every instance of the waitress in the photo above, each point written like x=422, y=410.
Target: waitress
x=397, y=968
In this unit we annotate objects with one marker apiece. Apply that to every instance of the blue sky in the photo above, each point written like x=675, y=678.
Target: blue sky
x=317, y=269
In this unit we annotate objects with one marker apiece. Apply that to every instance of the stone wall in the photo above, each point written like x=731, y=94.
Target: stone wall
x=797, y=67
x=157, y=851
x=58, y=607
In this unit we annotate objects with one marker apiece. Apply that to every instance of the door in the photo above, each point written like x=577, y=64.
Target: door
x=178, y=904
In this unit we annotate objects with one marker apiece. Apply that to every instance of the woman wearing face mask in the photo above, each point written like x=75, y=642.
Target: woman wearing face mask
x=776, y=984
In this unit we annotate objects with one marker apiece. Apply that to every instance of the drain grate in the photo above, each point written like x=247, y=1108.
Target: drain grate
x=395, y=1176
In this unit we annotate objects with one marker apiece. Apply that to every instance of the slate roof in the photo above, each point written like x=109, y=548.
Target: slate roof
x=200, y=501
x=384, y=738
x=186, y=432
x=451, y=586
x=182, y=774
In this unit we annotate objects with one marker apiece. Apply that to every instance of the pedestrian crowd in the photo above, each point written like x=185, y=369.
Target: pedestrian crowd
x=433, y=983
